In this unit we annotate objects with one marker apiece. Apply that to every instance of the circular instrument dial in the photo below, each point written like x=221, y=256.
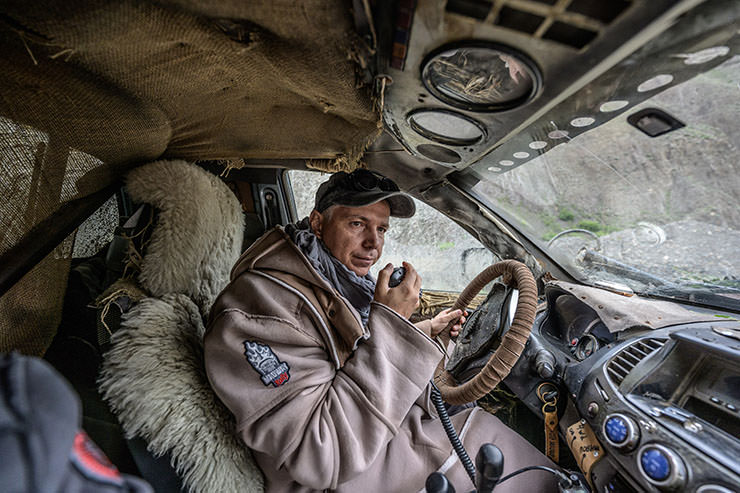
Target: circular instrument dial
x=586, y=346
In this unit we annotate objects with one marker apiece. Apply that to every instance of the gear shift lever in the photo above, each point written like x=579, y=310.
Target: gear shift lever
x=438, y=483
x=490, y=465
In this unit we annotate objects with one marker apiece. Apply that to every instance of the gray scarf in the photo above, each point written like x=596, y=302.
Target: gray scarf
x=359, y=291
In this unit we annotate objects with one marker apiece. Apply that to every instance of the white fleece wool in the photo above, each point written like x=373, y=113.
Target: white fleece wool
x=198, y=234
x=154, y=377
x=155, y=382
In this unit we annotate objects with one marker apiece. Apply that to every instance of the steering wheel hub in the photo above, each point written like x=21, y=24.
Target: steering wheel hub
x=518, y=275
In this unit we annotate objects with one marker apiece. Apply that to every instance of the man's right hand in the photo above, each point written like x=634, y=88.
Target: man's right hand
x=404, y=298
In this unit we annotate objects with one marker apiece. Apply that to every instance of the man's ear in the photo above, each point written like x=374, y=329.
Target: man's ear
x=315, y=220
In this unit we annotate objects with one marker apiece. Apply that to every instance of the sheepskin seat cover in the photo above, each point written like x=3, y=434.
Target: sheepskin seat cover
x=197, y=238
x=153, y=377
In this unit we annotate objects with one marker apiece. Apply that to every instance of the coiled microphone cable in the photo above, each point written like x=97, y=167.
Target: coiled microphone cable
x=457, y=445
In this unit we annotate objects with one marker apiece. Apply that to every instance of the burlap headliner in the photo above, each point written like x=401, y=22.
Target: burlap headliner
x=128, y=82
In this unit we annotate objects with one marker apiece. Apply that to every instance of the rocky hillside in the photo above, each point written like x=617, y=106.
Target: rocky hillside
x=614, y=179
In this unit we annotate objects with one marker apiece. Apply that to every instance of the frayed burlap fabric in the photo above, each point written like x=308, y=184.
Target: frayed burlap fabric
x=92, y=89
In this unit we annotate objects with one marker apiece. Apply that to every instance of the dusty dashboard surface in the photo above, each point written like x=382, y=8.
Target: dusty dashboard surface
x=663, y=403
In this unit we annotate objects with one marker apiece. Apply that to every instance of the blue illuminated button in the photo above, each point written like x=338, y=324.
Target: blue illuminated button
x=616, y=429
x=655, y=464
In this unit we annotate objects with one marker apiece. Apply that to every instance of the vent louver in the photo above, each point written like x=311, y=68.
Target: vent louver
x=574, y=23
x=622, y=364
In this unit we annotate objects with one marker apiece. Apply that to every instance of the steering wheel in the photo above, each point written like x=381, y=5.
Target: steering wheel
x=517, y=275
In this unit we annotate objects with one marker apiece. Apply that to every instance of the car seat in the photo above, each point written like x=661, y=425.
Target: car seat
x=153, y=377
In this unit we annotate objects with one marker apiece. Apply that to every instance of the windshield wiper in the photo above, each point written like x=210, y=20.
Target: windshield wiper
x=592, y=258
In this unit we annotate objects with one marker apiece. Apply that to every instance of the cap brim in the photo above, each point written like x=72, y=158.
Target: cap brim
x=401, y=205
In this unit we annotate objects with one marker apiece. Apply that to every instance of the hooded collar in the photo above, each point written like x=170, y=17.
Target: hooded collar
x=275, y=254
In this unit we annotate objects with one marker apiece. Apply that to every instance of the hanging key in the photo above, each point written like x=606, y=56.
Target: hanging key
x=548, y=394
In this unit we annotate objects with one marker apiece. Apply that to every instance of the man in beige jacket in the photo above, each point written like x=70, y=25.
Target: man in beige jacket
x=326, y=376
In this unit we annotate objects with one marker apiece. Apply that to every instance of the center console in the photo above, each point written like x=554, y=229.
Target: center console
x=665, y=407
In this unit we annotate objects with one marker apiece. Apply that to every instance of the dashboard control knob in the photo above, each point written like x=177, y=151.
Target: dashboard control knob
x=661, y=466
x=621, y=431
x=544, y=364
x=592, y=409
x=655, y=464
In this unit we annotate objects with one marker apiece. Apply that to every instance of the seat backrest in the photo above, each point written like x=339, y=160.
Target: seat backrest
x=198, y=232
x=153, y=377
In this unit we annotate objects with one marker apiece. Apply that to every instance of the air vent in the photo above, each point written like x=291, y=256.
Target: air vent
x=477, y=9
x=568, y=34
x=573, y=23
x=519, y=20
x=622, y=364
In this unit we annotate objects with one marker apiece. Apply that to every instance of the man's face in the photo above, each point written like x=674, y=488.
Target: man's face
x=354, y=235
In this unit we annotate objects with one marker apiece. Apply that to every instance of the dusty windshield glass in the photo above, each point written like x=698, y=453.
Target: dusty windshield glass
x=659, y=214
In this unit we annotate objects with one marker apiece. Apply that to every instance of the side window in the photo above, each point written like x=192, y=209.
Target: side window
x=446, y=256
x=97, y=230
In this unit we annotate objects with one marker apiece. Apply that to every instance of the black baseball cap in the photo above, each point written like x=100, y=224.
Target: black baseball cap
x=363, y=187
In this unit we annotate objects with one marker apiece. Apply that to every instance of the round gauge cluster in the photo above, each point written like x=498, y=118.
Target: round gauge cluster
x=586, y=346
x=480, y=76
x=446, y=126
x=468, y=77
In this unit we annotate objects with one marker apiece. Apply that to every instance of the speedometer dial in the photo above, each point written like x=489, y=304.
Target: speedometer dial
x=587, y=345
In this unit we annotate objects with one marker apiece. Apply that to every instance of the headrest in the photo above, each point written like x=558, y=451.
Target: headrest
x=198, y=233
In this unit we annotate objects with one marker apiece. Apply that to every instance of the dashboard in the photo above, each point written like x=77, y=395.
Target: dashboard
x=662, y=403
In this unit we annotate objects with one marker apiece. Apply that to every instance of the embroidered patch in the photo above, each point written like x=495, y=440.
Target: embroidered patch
x=263, y=359
x=92, y=462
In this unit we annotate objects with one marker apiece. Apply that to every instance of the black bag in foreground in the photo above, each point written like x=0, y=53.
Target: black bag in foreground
x=43, y=446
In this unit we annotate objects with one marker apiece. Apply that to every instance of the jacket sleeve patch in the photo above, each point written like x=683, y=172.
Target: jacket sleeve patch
x=266, y=363
x=92, y=462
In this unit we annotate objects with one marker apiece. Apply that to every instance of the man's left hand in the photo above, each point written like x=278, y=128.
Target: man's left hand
x=444, y=318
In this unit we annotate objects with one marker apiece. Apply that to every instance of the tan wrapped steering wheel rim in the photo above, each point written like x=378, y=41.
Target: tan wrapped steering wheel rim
x=517, y=275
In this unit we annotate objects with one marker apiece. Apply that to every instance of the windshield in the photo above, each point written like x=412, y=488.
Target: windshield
x=658, y=214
